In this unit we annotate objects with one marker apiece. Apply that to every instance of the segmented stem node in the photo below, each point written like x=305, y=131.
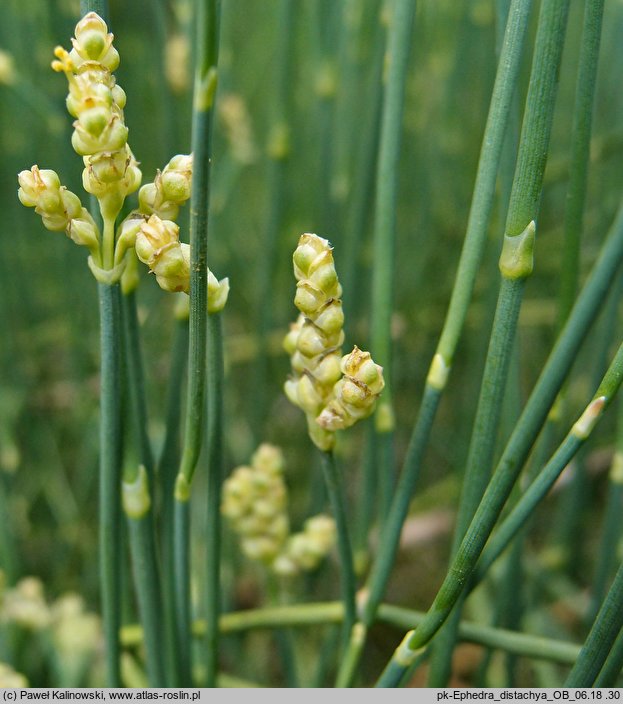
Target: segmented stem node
x=438, y=372
x=583, y=427
x=135, y=495
x=517, y=257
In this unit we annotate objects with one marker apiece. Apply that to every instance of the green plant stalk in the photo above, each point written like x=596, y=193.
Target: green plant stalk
x=544, y=481
x=482, y=446
x=346, y=99
x=283, y=637
x=181, y=583
x=147, y=581
x=110, y=449
x=167, y=469
x=138, y=481
x=202, y=121
x=568, y=539
x=110, y=477
x=611, y=670
x=304, y=615
x=348, y=582
x=359, y=215
x=216, y=373
x=323, y=27
x=601, y=638
x=573, y=497
x=99, y=6
x=384, y=234
x=275, y=180
x=612, y=528
x=480, y=212
x=136, y=380
x=579, y=158
x=515, y=266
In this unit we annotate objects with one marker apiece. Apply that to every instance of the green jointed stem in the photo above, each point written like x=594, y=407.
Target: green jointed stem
x=612, y=667
x=601, y=638
x=515, y=266
x=203, y=98
x=333, y=612
x=612, y=529
x=580, y=148
x=147, y=581
x=110, y=476
x=136, y=380
x=482, y=445
x=399, y=40
x=275, y=180
x=335, y=491
x=167, y=469
x=203, y=103
x=538, y=489
x=484, y=186
x=99, y=6
x=215, y=472
x=110, y=449
x=182, y=604
x=482, y=202
x=137, y=488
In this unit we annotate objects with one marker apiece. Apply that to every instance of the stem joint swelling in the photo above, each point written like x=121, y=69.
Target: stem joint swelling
x=517, y=257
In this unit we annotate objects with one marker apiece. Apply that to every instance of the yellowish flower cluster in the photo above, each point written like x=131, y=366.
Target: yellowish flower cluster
x=170, y=189
x=100, y=135
x=60, y=209
x=111, y=173
x=333, y=391
x=355, y=394
x=157, y=239
x=305, y=550
x=255, y=502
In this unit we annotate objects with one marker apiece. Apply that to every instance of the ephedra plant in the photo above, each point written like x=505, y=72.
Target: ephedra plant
x=305, y=506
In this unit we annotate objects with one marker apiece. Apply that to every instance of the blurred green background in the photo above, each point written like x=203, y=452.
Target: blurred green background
x=294, y=151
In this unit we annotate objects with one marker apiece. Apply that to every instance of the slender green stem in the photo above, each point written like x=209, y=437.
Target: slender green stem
x=515, y=266
x=203, y=113
x=335, y=490
x=539, y=488
x=215, y=471
x=205, y=88
x=284, y=637
x=612, y=667
x=482, y=446
x=110, y=449
x=136, y=380
x=482, y=203
x=137, y=488
x=167, y=468
x=183, y=610
x=483, y=196
x=99, y=6
x=147, y=581
x=567, y=542
x=303, y=615
x=579, y=159
x=601, y=638
x=397, y=56
x=275, y=180
x=110, y=476
x=612, y=528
